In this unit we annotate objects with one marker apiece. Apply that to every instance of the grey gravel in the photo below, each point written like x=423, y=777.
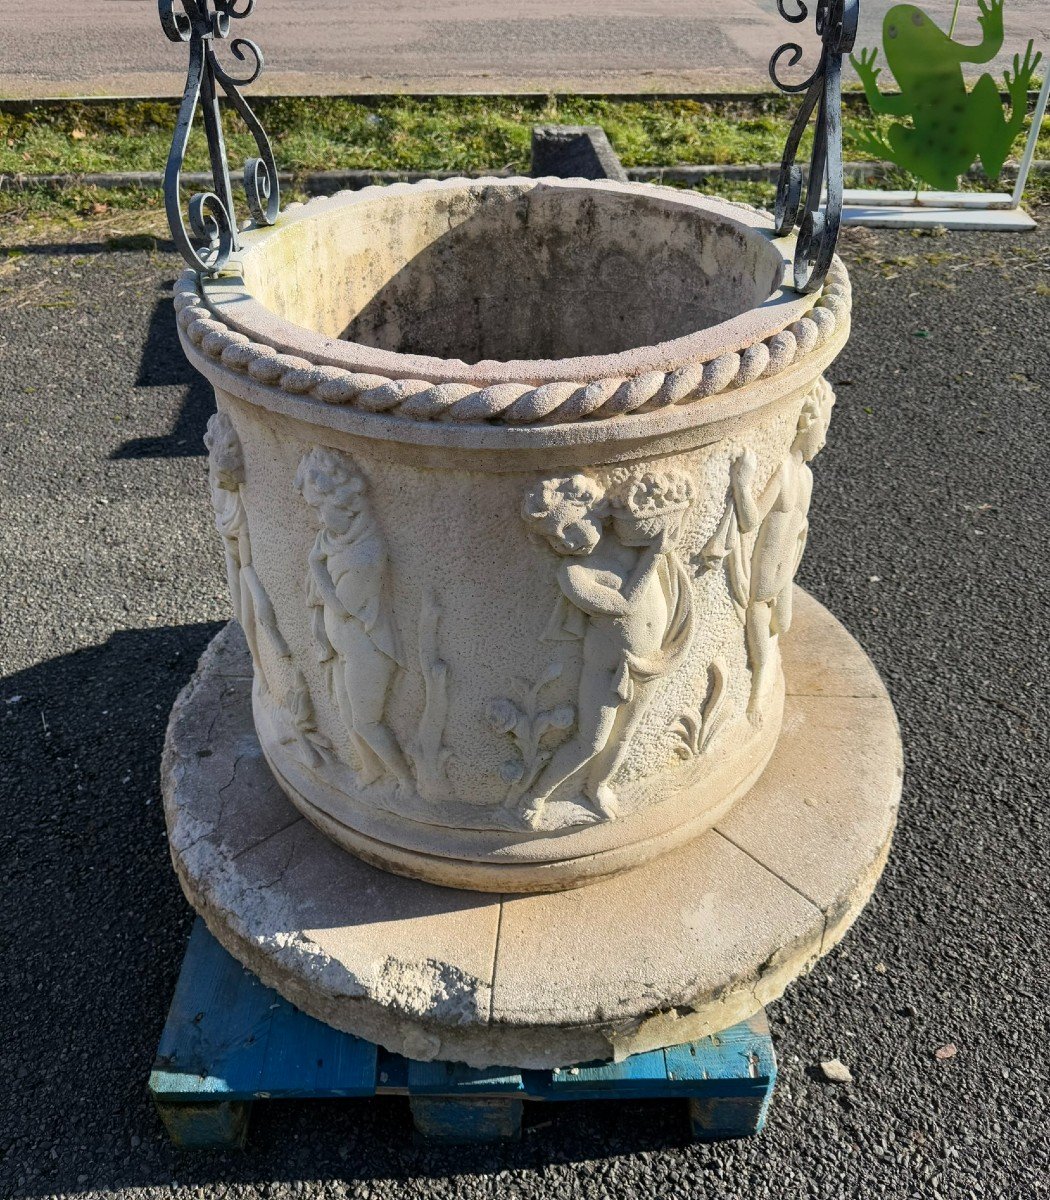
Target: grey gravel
x=929, y=540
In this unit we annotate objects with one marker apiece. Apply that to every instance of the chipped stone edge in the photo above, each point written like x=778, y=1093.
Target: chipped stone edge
x=289, y=961
x=293, y=965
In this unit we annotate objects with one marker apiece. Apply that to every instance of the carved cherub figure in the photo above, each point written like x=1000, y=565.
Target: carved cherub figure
x=950, y=126
x=761, y=581
x=346, y=587
x=625, y=593
x=251, y=604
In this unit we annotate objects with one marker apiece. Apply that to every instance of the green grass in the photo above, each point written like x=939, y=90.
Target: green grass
x=399, y=133
x=469, y=133
x=466, y=133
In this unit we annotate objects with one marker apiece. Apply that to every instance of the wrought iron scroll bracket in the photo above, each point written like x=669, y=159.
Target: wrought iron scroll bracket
x=798, y=200
x=210, y=235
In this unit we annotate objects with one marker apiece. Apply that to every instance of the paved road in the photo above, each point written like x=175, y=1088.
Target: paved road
x=928, y=541
x=67, y=47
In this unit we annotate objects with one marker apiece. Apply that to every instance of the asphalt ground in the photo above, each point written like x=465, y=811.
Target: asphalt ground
x=116, y=47
x=928, y=540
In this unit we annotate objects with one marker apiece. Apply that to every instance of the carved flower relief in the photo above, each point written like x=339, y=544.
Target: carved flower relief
x=534, y=731
x=653, y=496
x=696, y=728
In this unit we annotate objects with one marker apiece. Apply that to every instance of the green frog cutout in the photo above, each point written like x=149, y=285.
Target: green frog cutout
x=950, y=127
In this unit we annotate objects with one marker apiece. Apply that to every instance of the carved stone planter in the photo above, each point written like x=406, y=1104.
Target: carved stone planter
x=513, y=479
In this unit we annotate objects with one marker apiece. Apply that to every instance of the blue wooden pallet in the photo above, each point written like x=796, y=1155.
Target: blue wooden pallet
x=229, y=1041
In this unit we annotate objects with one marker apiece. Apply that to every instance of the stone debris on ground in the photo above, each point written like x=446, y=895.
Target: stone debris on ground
x=835, y=1070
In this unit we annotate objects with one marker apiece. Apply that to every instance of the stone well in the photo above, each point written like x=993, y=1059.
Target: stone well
x=513, y=480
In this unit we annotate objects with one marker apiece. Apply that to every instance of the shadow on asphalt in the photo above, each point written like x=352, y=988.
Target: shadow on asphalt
x=163, y=364
x=115, y=244
x=102, y=925
x=85, y=984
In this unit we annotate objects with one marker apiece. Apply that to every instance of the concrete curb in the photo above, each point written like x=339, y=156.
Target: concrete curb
x=851, y=98
x=324, y=183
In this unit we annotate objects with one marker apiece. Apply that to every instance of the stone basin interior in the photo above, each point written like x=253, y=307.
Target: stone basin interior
x=514, y=271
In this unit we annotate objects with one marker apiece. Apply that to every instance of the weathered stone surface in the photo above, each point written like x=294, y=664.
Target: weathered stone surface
x=831, y=667
x=824, y=815
x=668, y=951
x=655, y=956
x=512, y=478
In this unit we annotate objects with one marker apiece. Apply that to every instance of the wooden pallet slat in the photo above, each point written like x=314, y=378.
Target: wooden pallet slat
x=391, y=1073
x=456, y=1120
x=737, y=1061
x=230, y=1040
x=214, y=1125
x=445, y=1078
x=639, y=1075
x=314, y=1060
x=217, y=1027
x=729, y=1078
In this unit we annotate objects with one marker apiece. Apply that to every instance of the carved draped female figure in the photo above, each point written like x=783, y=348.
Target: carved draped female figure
x=251, y=604
x=280, y=685
x=626, y=595
x=347, y=591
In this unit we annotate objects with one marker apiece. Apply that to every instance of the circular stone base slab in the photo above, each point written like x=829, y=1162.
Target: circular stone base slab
x=668, y=952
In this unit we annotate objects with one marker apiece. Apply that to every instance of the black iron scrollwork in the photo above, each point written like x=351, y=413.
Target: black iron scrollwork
x=836, y=25
x=212, y=219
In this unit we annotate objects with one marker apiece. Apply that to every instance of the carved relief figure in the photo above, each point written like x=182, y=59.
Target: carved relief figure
x=627, y=596
x=761, y=571
x=346, y=587
x=251, y=605
x=291, y=709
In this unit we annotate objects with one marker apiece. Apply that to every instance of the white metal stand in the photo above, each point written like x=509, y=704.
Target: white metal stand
x=952, y=210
